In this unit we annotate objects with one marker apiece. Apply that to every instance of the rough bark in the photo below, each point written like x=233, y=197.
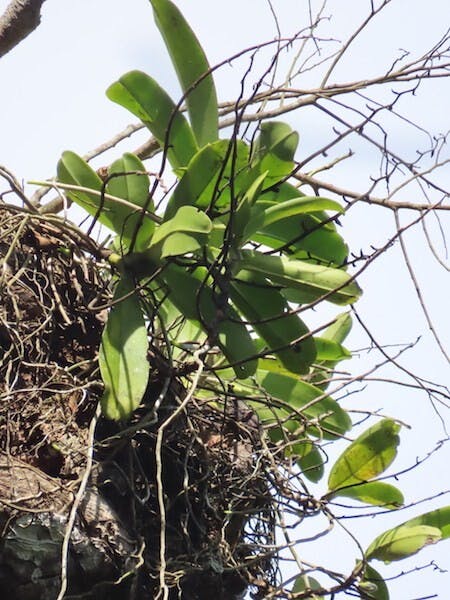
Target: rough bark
x=20, y=18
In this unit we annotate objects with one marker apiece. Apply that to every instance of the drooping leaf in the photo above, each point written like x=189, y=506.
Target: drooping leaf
x=368, y=456
x=401, y=542
x=311, y=281
x=285, y=334
x=439, y=518
x=305, y=583
x=376, y=493
x=293, y=399
x=297, y=206
x=143, y=97
x=372, y=586
x=133, y=187
x=192, y=69
x=185, y=233
x=72, y=169
x=123, y=354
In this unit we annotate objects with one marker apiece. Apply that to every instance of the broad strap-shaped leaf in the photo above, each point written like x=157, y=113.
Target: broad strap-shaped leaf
x=367, y=457
x=186, y=232
x=143, y=97
x=439, y=518
x=129, y=180
x=377, y=493
x=310, y=281
x=192, y=69
x=297, y=206
x=274, y=150
x=197, y=184
x=401, y=542
x=372, y=586
x=192, y=294
x=268, y=313
x=123, y=354
x=74, y=170
x=241, y=220
x=309, y=235
x=123, y=219
x=293, y=403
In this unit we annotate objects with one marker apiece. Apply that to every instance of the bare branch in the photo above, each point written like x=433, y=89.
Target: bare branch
x=20, y=18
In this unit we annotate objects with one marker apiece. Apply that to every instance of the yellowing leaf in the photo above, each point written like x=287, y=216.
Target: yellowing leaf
x=377, y=493
x=401, y=542
x=368, y=456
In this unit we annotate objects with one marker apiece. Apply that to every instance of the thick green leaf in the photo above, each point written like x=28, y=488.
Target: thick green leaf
x=312, y=280
x=368, y=456
x=339, y=330
x=74, y=170
x=327, y=359
x=134, y=188
x=191, y=293
x=269, y=315
x=439, y=518
x=241, y=220
x=197, y=184
x=377, y=493
x=327, y=350
x=143, y=97
x=309, y=236
x=372, y=585
x=297, y=206
x=305, y=583
x=123, y=354
x=290, y=400
x=192, y=67
x=310, y=461
x=401, y=542
x=274, y=150
x=168, y=239
x=306, y=238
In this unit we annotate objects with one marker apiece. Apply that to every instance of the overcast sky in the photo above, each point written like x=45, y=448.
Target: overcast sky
x=52, y=98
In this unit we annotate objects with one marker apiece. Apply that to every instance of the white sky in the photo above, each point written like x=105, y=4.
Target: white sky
x=52, y=98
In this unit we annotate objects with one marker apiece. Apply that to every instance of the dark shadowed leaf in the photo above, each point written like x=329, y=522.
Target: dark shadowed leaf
x=372, y=586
